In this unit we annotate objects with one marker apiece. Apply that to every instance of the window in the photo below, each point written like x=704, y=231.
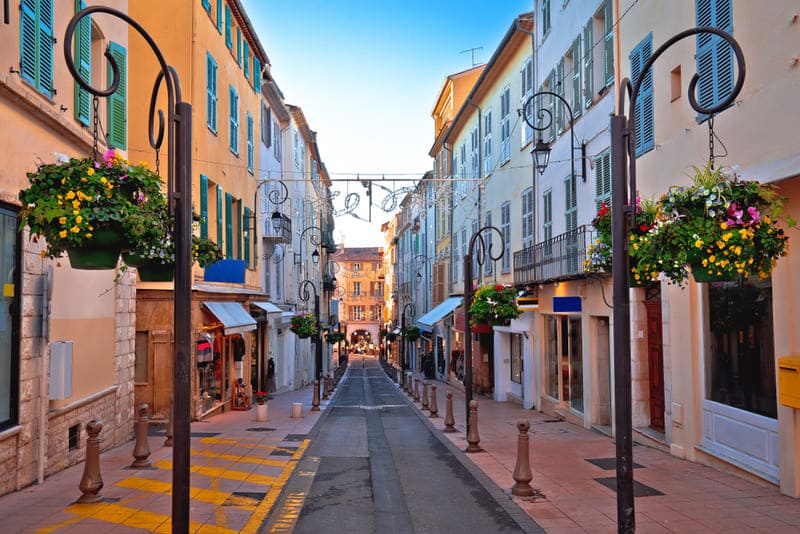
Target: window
x=206, y=5
x=250, y=150
x=559, y=83
x=246, y=221
x=36, y=44
x=203, y=206
x=714, y=55
x=256, y=74
x=608, y=42
x=219, y=15
x=266, y=125
x=358, y=313
x=220, y=220
x=455, y=258
x=645, y=135
x=475, y=153
x=211, y=93
x=117, y=102
x=356, y=289
x=588, y=64
x=83, y=62
x=487, y=143
x=228, y=37
x=517, y=351
x=234, y=121
x=547, y=207
x=9, y=320
x=246, y=60
x=505, y=228
x=229, y=248
x=505, y=125
x=462, y=169
x=603, y=178
x=475, y=265
x=573, y=64
x=357, y=267
x=545, y=17
x=527, y=218
x=571, y=204
x=527, y=91
x=239, y=46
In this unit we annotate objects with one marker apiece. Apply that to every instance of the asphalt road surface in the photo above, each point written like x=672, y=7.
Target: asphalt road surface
x=375, y=466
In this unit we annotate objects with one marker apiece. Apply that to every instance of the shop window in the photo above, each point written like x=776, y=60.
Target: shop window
x=516, y=358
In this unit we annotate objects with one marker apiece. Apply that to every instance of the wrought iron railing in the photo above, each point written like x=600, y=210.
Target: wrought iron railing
x=559, y=258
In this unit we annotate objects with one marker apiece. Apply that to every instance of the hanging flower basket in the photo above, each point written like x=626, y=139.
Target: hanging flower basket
x=304, y=326
x=101, y=252
x=411, y=333
x=391, y=336
x=150, y=270
x=494, y=305
x=335, y=337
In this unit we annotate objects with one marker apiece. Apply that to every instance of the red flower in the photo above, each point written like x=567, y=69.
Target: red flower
x=499, y=287
x=644, y=227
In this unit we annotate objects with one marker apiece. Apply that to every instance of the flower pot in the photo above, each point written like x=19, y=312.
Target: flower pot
x=262, y=412
x=702, y=274
x=150, y=270
x=100, y=252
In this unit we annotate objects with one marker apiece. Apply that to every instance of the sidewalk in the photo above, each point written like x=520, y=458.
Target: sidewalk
x=238, y=469
x=573, y=467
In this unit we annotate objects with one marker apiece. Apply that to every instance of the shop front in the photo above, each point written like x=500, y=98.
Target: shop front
x=435, y=329
x=268, y=317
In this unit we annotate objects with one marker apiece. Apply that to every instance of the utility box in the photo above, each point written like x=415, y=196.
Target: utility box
x=789, y=381
x=60, y=370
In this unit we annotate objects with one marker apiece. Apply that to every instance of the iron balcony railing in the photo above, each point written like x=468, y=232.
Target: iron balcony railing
x=559, y=258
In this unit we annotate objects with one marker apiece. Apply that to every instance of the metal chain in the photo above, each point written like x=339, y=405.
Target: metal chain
x=711, y=141
x=95, y=125
x=158, y=164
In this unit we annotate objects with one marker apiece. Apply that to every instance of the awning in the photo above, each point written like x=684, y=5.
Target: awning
x=438, y=313
x=232, y=315
x=268, y=307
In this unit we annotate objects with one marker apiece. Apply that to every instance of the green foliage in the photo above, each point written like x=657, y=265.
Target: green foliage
x=305, y=325
x=494, y=304
x=411, y=333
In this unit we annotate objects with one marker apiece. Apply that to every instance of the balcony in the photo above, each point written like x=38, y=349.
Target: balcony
x=284, y=232
x=559, y=258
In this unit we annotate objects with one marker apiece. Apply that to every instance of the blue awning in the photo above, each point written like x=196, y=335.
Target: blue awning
x=438, y=313
x=232, y=315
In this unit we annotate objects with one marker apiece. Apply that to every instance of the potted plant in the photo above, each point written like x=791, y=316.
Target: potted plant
x=335, y=337
x=494, y=304
x=718, y=228
x=262, y=413
x=81, y=207
x=305, y=326
x=391, y=336
x=411, y=333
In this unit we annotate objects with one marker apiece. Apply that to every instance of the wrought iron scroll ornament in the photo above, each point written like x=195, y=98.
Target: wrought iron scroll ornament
x=545, y=120
x=303, y=294
x=277, y=195
x=478, y=248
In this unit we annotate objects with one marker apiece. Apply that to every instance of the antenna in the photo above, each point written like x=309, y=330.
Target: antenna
x=472, y=53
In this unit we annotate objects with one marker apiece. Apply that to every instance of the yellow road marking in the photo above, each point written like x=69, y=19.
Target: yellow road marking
x=237, y=443
x=289, y=512
x=247, y=459
x=219, y=472
x=131, y=517
x=53, y=528
x=258, y=516
x=219, y=514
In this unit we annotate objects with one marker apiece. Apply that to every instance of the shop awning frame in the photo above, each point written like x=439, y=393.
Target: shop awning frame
x=233, y=316
x=268, y=307
x=442, y=310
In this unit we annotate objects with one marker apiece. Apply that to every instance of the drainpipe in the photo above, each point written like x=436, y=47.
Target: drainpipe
x=480, y=172
x=44, y=359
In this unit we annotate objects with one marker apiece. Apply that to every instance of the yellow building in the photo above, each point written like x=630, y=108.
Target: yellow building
x=361, y=276
x=66, y=335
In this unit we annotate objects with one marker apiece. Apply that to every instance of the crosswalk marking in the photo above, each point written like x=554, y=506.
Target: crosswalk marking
x=242, y=458
x=220, y=472
x=131, y=517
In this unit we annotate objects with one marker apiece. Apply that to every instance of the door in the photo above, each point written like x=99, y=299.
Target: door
x=655, y=361
x=162, y=351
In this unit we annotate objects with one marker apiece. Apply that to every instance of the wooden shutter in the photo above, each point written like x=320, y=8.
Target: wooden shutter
x=588, y=65
x=560, y=91
x=246, y=61
x=603, y=179
x=207, y=5
x=45, y=43
x=239, y=46
x=234, y=120
x=645, y=137
x=219, y=15
x=211, y=92
x=246, y=234
x=203, y=206
x=117, y=103
x=228, y=225
x=256, y=74
x=228, y=38
x=28, y=42
x=608, y=42
x=220, y=240
x=83, y=62
x=714, y=55
x=577, y=103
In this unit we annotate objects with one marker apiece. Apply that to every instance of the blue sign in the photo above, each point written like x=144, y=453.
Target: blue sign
x=566, y=304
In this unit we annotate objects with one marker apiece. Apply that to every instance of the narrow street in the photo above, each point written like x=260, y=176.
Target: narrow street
x=375, y=465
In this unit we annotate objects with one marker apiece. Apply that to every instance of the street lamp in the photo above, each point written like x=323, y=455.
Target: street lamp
x=179, y=187
x=477, y=238
x=304, y=295
x=623, y=189
x=541, y=151
x=422, y=261
x=315, y=238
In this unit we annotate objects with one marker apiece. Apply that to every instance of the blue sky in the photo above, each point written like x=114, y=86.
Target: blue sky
x=367, y=72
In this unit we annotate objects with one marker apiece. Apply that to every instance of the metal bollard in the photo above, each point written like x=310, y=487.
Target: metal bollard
x=472, y=437
x=92, y=482
x=400, y=380
x=522, y=469
x=168, y=441
x=324, y=387
x=416, y=389
x=410, y=381
x=141, y=450
x=434, y=408
x=449, y=420
x=315, y=398
x=424, y=394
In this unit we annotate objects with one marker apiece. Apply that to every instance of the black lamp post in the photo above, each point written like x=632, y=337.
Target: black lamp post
x=409, y=311
x=477, y=238
x=541, y=151
x=179, y=186
x=315, y=238
x=304, y=295
x=422, y=261
x=623, y=153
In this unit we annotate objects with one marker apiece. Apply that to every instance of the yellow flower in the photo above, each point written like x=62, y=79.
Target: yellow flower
x=70, y=195
x=726, y=236
x=62, y=220
x=76, y=204
x=62, y=234
x=63, y=181
x=103, y=179
x=90, y=172
x=78, y=219
x=75, y=212
x=75, y=230
x=699, y=243
x=712, y=258
x=738, y=250
x=88, y=235
x=767, y=220
x=723, y=225
x=84, y=179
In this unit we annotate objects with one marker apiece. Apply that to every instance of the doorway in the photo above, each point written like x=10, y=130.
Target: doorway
x=655, y=357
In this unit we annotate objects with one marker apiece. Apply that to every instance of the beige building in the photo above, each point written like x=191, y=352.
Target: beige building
x=361, y=307
x=66, y=336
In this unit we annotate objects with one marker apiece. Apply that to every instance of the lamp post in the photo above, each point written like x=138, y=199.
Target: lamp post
x=477, y=238
x=623, y=146
x=315, y=238
x=541, y=150
x=422, y=261
x=409, y=311
x=304, y=295
x=179, y=186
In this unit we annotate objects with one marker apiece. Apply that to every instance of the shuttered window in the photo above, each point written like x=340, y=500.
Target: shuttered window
x=256, y=74
x=220, y=220
x=505, y=125
x=83, y=62
x=246, y=235
x=570, y=204
x=577, y=106
x=266, y=125
x=117, y=102
x=211, y=93
x=527, y=218
x=603, y=178
x=229, y=225
x=228, y=36
x=206, y=5
x=239, y=46
x=36, y=44
x=608, y=42
x=588, y=65
x=714, y=55
x=645, y=134
x=487, y=143
x=234, y=120
x=250, y=143
x=204, y=206
x=246, y=60
x=560, y=91
x=219, y=15
x=505, y=228
x=547, y=208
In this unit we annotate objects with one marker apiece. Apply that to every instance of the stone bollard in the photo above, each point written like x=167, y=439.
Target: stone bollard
x=141, y=451
x=449, y=420
x=472, y=437
x=168, y=441
x=522, y=469
x=297, y=410
x=332, y=383
x=416, y=389
x=315, y=398
x=400, y=381
x=424, y=394
x=324, y=387
x=434, y=408
x=410, y=384
x=91, y=481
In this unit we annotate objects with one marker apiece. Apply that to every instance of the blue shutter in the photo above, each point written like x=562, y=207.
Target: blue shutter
x=246, y=235
x=228, y=225
x=228, y=39
x=246, y=63
x=204, y=206
x=36, y=44
x=250, y=163
x=239, y=46
x=645, y=132
x=256, y=74
x=117, y=103
x=83, y=60
x=234, y=121
x=219, y=216
x=211, y=92
x=45, y=38
x=714, y=56
x=219, y=15
x=207, y=5
x=28, y=44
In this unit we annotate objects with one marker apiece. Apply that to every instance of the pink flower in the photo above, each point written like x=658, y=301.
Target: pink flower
x=754, y=214
x=735, y=215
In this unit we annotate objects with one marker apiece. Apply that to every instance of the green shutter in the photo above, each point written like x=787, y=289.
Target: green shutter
x=204, y=206
x=239, y=46
x=220, y=241
x=256, y=74
x=83, y=61
x=211, y=92
x=36, y=44
x=234, y=121
x=588, y=65
x=246, y=63
x=608, y=41
x=219, y=15
x=117, y=103
x=228, y=225
x=228, y=39
x=603, y=178
x=577, y=104
x=246, y=235
x=250, y=163
x=28, y=44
